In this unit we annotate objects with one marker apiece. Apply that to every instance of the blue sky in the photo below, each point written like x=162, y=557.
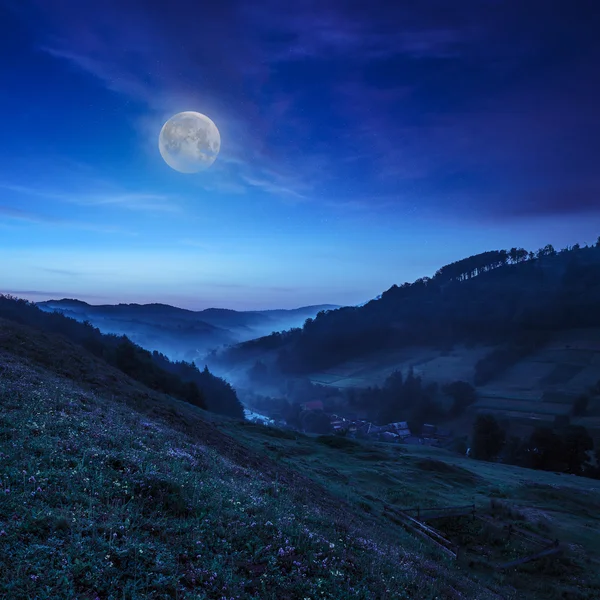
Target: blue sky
x=361, y=145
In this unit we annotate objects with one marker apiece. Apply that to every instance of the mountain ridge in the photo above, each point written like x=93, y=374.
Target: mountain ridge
x=499, y=296
x=177, y=332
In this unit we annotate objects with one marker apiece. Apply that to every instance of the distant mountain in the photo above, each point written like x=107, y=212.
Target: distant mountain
x=81, y=352
x=180, y=333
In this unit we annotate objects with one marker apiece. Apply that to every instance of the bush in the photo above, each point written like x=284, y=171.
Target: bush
x=488, y=437
x=339, y=443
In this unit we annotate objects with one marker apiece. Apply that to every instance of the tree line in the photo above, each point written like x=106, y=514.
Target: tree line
x=561, y=447
x=181, y=380
x=505, y=297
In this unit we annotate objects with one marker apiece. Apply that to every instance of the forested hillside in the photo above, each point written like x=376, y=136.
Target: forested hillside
x=513, y=298
x=180, y=379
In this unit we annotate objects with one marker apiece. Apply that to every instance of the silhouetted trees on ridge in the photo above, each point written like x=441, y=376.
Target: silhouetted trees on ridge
x=502, y=297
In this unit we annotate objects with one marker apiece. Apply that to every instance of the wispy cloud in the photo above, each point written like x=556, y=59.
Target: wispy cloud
x=113, y=78
x=65, y=272
x=17, y=214
x=273, y=188
x=147, y=202
x=54, y=294
x=134, y=201
x=482, y=95
x=196, y=244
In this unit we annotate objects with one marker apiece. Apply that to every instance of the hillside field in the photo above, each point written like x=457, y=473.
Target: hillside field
x=111, y=491
x=537, y=388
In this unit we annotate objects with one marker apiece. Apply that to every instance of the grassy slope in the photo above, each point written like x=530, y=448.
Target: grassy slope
x=112, y=491
x=373, y=476
x=533, y=391
x=142, y=496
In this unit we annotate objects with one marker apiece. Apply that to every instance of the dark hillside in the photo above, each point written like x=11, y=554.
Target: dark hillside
x=124, y=492
x=111, y=489
x=482, y=299
x=180, y=379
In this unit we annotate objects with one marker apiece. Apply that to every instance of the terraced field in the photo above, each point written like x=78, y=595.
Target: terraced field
x=545, y=384
x=429, y=363
x=536, y=389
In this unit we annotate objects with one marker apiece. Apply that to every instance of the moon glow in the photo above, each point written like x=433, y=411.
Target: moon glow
x=189, y=142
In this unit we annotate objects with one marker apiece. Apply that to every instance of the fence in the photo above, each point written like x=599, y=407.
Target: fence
x=415, y=520
x=439, y=512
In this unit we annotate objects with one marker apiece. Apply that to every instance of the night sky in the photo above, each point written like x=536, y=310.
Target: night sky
x=362, y=144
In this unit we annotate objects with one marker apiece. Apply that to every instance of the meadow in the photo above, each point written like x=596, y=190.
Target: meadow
x=110, y=490
x=431, y=364
x=536, y=389
x=112, y=496
x=377, y=478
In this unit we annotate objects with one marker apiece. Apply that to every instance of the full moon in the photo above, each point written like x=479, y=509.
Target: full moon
x=189, y=142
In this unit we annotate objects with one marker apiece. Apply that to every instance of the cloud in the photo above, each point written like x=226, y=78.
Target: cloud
x=357, y=31
x=43, y=293
x=137, y=201
x=129, y=201
x=273, y=188
x=45, y=219
x=112, y=77
x=65, y=272
x=578, y=199
x=412, y=99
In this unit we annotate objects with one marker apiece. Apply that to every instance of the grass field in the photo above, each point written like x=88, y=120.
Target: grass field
x=536, y=407
x=102, y=502
x=538, y=388
x=371, y=476
x=429, y=363
x=112, y=491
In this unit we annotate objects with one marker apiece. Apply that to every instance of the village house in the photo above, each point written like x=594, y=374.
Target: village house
x=400, y=429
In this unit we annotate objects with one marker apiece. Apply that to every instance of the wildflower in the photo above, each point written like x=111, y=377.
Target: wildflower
x=7, y=491
x=3, y=532
x=31, y=479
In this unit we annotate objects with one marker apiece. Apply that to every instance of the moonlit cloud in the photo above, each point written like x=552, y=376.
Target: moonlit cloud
x=16, y=214
x=343, y=53
x=130, y=201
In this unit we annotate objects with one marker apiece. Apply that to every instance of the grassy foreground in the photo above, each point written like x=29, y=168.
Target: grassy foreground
x=99, y=501
x=109, y=490
x=373, y=478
